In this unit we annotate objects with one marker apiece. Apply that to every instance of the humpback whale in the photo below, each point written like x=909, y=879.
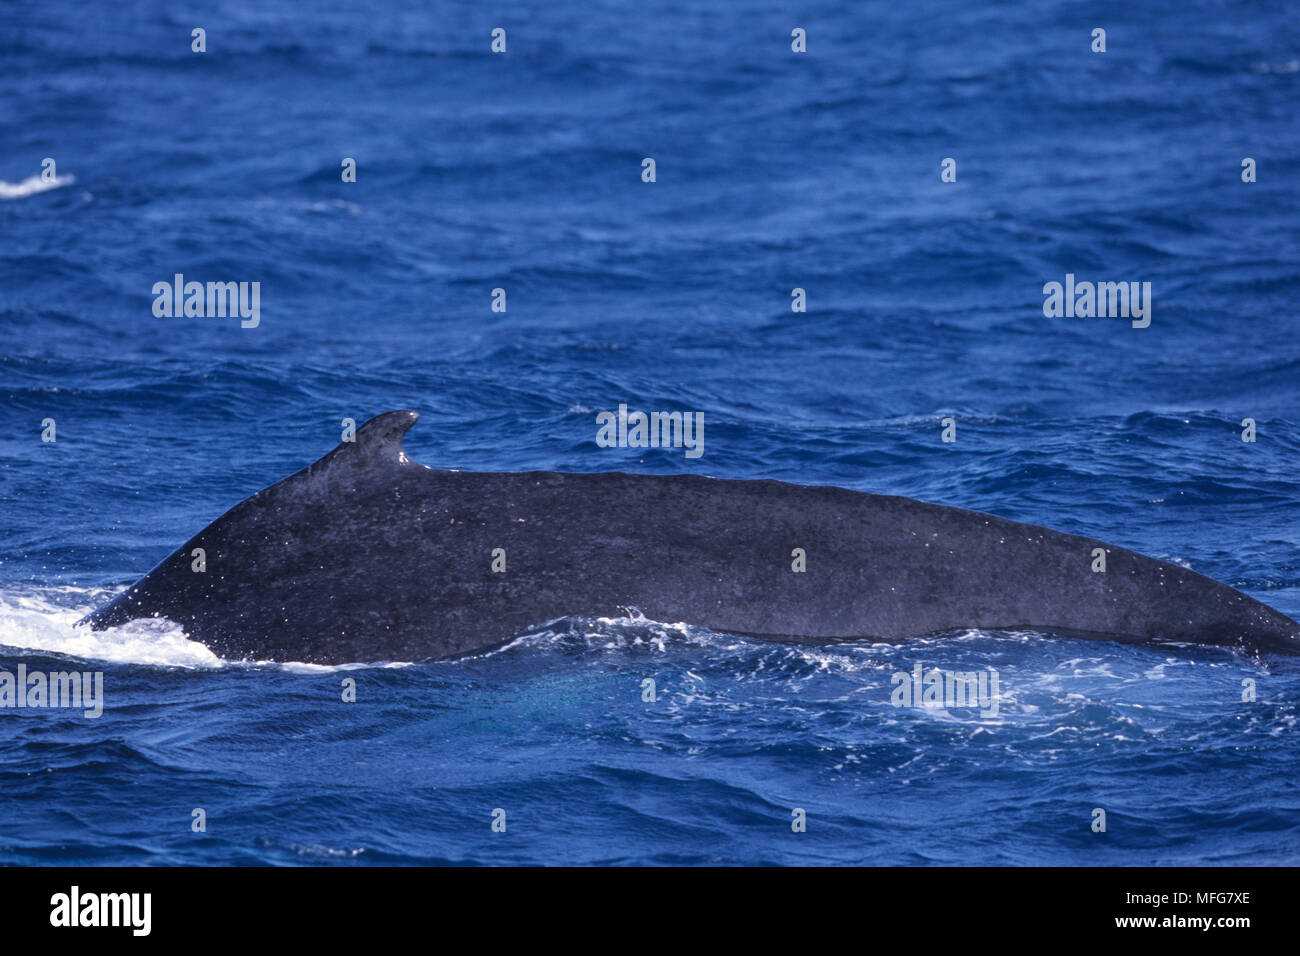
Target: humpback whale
x=367, y=556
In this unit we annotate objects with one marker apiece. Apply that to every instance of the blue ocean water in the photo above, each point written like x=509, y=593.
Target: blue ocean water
x=774, y=171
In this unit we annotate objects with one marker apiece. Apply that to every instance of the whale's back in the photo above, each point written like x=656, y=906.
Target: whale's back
x=367, y=556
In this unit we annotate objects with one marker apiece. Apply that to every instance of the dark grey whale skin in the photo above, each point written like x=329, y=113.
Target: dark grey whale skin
x=366, y=556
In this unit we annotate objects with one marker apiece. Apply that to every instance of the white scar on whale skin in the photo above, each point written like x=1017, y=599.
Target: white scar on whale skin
x=33, y=185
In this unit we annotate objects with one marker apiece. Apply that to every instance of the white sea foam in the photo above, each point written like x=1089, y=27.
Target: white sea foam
x=33, y=185
x=43, y=620
x=302, y=667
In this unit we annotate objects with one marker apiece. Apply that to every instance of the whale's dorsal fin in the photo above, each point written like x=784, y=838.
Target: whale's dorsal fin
x=376, y=442
x=381, y=437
